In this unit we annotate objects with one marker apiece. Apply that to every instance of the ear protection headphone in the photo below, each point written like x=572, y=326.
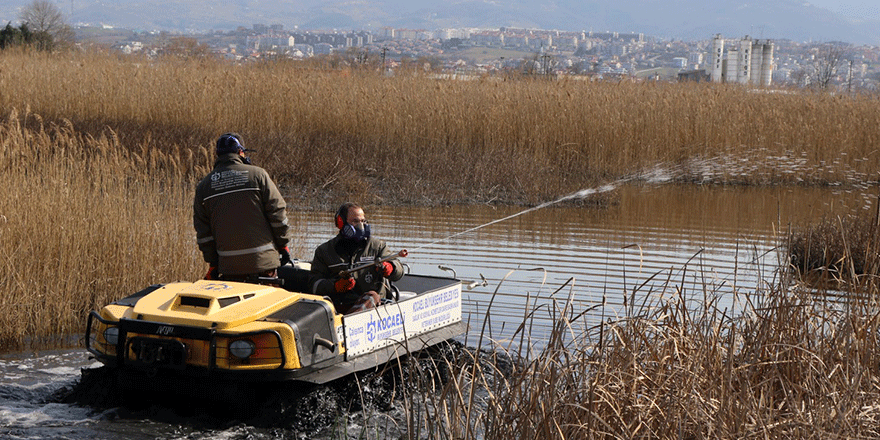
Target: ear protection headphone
x=340, y=216
x=234, y=142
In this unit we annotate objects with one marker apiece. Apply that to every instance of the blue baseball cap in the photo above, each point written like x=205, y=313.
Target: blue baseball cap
x=230, y=143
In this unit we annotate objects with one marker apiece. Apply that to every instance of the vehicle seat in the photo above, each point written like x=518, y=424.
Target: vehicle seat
x=296, y=276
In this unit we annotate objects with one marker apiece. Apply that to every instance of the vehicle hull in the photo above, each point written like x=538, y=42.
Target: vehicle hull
x=251, y=333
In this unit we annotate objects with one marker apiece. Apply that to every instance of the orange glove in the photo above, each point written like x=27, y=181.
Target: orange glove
x=284, y=256
x=212, y=273
x=385, y=269
x=344, y=285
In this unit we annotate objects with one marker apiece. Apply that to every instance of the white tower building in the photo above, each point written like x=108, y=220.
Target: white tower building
x=717, y=58
x=767, y=63
x=756, y=63
x=746, y=61
x=731, y=65
x=744, y=70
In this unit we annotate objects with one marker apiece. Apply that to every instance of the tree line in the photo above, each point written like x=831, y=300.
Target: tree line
x=23, y=36
x=43, y=27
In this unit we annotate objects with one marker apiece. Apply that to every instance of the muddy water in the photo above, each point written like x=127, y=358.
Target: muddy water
x=706, y=241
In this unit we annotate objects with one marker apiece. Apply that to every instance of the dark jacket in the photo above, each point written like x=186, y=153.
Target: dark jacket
x=239, y=217
x=339, y=254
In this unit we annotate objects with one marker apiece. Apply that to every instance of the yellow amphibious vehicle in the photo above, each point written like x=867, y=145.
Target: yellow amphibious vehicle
x=268, y=332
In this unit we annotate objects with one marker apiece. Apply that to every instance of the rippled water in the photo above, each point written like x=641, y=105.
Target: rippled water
x=64, y=395
x=641, y=239
x=31, y=387
x=704, y=241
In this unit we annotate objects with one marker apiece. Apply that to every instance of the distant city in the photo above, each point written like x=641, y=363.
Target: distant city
x=596, y=55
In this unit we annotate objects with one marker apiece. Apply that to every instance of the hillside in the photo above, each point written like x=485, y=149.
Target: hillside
x=678, y=19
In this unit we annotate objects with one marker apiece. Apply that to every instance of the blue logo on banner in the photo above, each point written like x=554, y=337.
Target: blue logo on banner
x=376, y=329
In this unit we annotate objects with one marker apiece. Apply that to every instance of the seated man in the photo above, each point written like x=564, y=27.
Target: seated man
x=352, y=247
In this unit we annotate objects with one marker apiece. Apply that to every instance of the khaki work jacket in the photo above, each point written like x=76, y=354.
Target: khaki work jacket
x=239, y=217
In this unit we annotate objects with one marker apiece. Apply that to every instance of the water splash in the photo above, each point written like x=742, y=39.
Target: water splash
x=761, y=166
x=655, y=176
x=658, y=175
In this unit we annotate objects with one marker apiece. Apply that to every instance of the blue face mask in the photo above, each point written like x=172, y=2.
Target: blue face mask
x=356, y=233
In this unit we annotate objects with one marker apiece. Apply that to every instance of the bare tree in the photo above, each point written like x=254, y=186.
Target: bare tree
x=530, y=65
x=182, y=46
x=799, y=77
x=828, y=60
x=44, y=16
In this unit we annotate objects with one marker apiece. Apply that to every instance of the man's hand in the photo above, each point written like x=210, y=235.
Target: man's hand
x=344, y=285
x=212, y=273
x=285, y=255
x=385, y=269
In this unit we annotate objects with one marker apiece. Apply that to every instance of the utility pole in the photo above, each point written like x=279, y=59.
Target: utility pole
x=384, y=49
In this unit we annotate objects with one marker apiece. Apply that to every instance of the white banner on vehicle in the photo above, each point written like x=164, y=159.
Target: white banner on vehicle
x=385, y=325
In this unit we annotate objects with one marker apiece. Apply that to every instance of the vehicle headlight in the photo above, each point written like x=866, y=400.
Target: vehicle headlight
x=111, y=335
x=242, y=348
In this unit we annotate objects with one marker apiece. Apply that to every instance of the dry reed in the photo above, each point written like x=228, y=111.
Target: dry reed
x=85, y=220
x=790, y=364
x=91, y=212
x=841, y=250
x=342, y=133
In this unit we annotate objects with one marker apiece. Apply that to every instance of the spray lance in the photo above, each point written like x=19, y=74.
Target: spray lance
x=378, y=261
x=403, y=253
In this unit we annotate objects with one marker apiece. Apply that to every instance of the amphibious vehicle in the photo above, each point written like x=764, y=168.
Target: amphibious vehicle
x=269, y=331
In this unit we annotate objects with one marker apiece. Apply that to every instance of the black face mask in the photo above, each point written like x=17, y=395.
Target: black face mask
x=356, y=233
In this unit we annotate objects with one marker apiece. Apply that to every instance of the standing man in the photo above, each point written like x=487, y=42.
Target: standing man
x=239, y=217
x=351, y=247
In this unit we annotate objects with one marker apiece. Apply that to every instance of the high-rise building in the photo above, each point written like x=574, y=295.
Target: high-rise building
x=717, y=58
x=746, y=61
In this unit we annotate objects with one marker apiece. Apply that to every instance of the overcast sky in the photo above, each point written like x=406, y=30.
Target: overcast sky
x=851, y=8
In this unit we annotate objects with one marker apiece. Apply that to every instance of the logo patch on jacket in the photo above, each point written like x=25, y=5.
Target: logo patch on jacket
x=227, y=179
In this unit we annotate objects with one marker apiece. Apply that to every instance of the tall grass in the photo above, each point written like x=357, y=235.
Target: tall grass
x=85, y=220
x=838, y=251
x=790, y=364
x=98, y=200
x=336, y=133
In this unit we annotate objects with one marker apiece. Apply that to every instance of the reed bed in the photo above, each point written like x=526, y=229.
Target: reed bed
x=84, y=221
x=98, y=200
x=333, y=133
x=840, y=250
x=87, y=219
x=790, y=364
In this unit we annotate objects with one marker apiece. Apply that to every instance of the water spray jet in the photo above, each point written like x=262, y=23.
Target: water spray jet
x=655, y=176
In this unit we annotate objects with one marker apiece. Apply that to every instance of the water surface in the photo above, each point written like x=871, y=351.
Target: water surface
x=640, y=239
x=703, y=241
